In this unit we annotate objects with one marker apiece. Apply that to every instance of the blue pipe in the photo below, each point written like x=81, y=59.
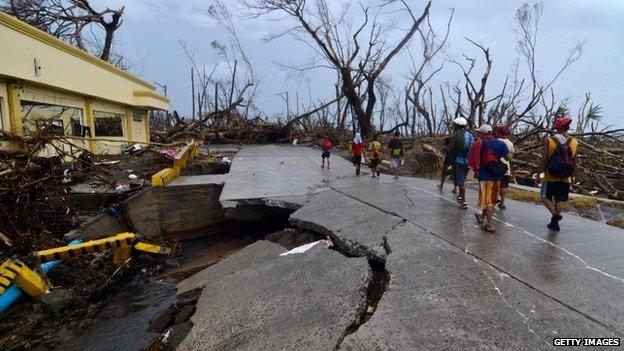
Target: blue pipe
x=13, y=292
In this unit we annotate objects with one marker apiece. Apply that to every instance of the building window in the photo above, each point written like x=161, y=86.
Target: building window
x=51, y=119
x=108, y=124
x=50, y=126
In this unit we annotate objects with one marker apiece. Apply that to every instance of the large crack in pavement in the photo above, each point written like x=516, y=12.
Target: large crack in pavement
x=481, y=260
x=381, y=277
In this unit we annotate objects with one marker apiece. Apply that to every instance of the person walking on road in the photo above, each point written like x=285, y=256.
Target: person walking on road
x=357, y=150
x=501, y=133
x=460, y=144
x=474, y=154
x=559, y=167
x=396, y=153
x=491, y=171
x=375, y=152
x=326, y=146
x=447, y=166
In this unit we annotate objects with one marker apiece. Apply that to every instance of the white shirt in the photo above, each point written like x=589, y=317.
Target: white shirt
x=511, y=149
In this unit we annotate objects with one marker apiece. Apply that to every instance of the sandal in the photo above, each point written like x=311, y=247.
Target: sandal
x=478, y=217
x=489, y=230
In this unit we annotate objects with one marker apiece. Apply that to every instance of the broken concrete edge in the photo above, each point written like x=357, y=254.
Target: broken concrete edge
x=261, y=250
x=348, y=248
x=100, y=225
x=349, y=319
x=360, y=314
x=97, y=227
x=288, y=202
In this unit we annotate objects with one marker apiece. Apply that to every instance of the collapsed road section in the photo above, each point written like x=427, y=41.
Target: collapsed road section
x=443, y=283
x=310, y=258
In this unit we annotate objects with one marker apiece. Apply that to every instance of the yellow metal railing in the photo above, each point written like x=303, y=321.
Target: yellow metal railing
x=163, y=177
x=121, y=245
x=35, y=284
x=180, y=160
x=16, y=272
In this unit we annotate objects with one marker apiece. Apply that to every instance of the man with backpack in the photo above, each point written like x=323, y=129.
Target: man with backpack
x=491, y=171
x=460, y=144
x=559, y=167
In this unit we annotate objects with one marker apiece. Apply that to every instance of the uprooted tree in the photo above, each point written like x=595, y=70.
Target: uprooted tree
x=72, y=21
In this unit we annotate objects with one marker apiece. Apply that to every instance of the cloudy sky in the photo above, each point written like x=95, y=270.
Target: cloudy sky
x=153, y=28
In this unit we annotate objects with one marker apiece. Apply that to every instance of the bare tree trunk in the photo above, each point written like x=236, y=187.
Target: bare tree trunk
x=193, y=91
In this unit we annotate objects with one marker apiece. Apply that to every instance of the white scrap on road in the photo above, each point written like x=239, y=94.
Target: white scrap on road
x=303, y=248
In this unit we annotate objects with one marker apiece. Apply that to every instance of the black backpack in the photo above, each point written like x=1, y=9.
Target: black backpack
x=561, y=163
x=491, y=161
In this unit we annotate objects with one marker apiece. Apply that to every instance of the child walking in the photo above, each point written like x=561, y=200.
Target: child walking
x=375, y=150
x=326, y=146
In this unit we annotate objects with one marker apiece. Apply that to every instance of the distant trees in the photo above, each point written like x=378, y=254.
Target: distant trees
x=72, y=21
x=525, y=100
x=212, y=93
x=358, y=52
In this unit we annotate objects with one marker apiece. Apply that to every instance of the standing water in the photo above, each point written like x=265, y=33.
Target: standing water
x=123, y=323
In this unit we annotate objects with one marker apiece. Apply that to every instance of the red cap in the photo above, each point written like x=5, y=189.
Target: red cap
x=562, y=123
x=501, y=130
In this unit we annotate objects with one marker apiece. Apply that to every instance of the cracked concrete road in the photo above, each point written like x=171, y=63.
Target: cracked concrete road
x=295, y=302
x=452, y=286
x=356, y=228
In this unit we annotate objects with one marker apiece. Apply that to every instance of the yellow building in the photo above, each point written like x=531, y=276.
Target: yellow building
x=48, y=85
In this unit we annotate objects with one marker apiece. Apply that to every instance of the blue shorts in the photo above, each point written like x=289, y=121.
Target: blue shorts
x=555, y=191
x=460, y=172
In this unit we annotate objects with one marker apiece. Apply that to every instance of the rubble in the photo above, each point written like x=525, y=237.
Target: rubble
x=57, y=300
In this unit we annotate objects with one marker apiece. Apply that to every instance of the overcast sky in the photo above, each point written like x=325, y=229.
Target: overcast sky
x=152, y=29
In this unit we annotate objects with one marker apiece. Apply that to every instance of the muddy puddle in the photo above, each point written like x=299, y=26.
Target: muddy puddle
x=122, y=324
x=124, y=321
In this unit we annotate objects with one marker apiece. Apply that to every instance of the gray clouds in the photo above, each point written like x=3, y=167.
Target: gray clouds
x=153, y=27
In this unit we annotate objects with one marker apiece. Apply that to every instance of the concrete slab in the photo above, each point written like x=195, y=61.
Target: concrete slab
x=179, y=211
x=452, y=286
x=580, y=267
x=356, y=228
x=251, y=255
x=296, y=302
x=97, y=227
x=223, y=148
x=198, y=180
x=440, y=298
x=271, y=171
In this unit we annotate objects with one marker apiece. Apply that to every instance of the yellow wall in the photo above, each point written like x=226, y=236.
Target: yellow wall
x=70, y=77
x=66, y=67
x=138, y=129
x=4, y=117
x=132, y=130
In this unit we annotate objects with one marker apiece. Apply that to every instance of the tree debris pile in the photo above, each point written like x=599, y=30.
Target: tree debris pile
x=38, y=202
x=38, y=206
x=600, y=168
x=229, y=126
